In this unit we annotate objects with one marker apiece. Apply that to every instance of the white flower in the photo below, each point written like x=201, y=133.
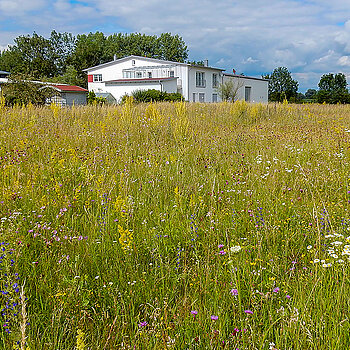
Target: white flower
x=335, y=256
x=316, y=261
x=327, y=265
x=309, y=247
x=337, y=243
x=235, y=249
x=340, y=261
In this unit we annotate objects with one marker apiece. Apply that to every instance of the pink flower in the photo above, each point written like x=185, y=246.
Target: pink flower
x=276, y=290
x=248, y=312
x=234, y=291
x=214, y=318
x=222, y=252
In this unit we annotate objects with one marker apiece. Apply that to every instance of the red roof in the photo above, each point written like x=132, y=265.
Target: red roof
x=70, y=88
x=135, y=80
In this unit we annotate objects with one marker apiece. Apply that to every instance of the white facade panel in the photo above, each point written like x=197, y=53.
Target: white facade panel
x=169, y=85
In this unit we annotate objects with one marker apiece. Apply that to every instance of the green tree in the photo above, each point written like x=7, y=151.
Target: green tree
x=172, y=48
x=22, y=92
x=332, y=89
x=310, y=93
x=64, y=56
x=281, y=85
x=228, y=90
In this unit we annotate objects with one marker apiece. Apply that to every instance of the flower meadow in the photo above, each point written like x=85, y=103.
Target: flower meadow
x=175, y=226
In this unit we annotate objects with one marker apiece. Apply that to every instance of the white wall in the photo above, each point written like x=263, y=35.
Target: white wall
x=186, y=82
x=119, y=90
x=259, y=88
x=169, y=85
x=208, y=90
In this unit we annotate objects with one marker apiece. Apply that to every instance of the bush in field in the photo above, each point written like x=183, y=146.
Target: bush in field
x=153, y=95
x=23, y=92
x=93, y=99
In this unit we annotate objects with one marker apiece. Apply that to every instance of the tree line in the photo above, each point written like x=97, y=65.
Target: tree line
x=332, y=88
x=62, y=57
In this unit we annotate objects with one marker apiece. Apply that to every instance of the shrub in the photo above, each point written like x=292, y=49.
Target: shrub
x=23, y=92
x=93, y=99
x=153, y=95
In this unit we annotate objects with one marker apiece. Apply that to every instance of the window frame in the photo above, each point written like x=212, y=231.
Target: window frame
x=97, y=78
x=200, y=79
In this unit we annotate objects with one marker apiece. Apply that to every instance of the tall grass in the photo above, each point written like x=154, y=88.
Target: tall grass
x=180, y=226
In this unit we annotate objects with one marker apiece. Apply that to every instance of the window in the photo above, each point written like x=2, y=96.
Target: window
x=194, y=97
x=138, y=74
x=133, y=62
x=215, y=98
x=200, y=82
x=171, y=74
x=215, y=80
x=247, y=92
x=149, y=74
x=201, y=97
x=97, y=78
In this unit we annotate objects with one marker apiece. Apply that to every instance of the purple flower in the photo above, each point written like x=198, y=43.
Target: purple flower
x=276, y=290
x=234, y=291
x=288, y=296
x=248, y=312
x=194, y=313
x=143, y=324
x=214, y=318
x=222, y=252
x=220, y=246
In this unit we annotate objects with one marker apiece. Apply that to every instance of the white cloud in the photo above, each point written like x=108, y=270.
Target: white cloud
x=250, y=60
x=19, y=7
x=305, y=36
x=344, y=61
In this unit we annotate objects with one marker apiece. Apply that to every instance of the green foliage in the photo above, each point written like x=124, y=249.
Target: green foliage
x=332, y=89
x=196, y=63
x=228, y=90
x=281, y=85
x=93, y=99
x=64, y=56
x=37, y=57
x=310, y=93
x=22, y=92
x=153, y=95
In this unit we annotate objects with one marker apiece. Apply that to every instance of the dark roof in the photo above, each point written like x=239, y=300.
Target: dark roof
x=140, y=80
x=243, y=76
x=69, y=88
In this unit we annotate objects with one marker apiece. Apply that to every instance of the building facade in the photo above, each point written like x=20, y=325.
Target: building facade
x=196, y=83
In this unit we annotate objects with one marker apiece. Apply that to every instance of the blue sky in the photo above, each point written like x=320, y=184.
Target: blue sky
x=309, y=37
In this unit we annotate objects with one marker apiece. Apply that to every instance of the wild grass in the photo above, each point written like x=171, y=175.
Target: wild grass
x=175, y=226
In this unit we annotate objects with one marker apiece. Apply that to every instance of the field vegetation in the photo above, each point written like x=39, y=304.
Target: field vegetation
x=175, y=226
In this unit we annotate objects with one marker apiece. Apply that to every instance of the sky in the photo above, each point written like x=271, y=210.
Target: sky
x=309, y=37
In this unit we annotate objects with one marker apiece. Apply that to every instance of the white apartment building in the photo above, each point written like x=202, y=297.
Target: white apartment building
x=195, y=83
